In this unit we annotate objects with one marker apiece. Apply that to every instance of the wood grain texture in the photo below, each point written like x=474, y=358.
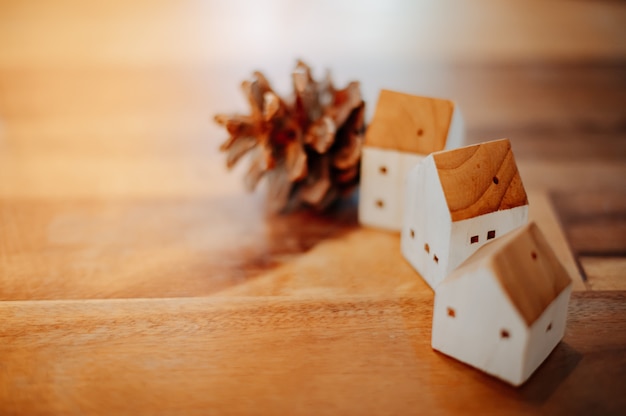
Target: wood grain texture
x=223, y=246
x=595, y=220
x=341, y=267
x=130, y=133
x=409, y=123
x=595, y=226
x=150, y=248
x=112, y=186
x=529, y=271
x=604, y=273
x=542, y=212
x=350, y=355
x=480, y=179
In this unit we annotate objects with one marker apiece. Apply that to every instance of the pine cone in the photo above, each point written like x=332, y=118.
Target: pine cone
x=308, y=147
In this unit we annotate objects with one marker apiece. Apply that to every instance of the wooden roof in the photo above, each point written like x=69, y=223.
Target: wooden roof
x=409, y=123
x=525, y=266
x=480, y=179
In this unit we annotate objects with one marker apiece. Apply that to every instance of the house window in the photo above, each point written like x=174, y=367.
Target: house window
x=533, y=255
x=451, y=312
x=427, y=248
x=380, y=203
x=491, y=234
x=412, y=233
x=549, y=327
x=420, y=132
x=504, y=334
x=383, y=170
x=496, y=180
x=474, y=239
x=436, y=259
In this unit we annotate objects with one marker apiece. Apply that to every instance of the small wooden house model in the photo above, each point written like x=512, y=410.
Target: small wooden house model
x=505, y=308
x=457, y=200
x=404, y=129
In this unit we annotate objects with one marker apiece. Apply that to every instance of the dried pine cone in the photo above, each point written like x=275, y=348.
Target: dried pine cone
x=308, y=147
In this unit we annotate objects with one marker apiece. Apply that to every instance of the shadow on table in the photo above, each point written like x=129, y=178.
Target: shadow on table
x=549, y=376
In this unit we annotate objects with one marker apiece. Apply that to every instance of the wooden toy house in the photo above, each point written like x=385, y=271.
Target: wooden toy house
x=404, y=129
x=456, y=200
x=505, y=308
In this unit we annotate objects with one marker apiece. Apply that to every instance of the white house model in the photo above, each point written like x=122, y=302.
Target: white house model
x=505, y=308
x=456, y=201
x=404, y=129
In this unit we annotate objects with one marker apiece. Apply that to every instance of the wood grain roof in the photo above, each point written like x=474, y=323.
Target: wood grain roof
x=480, y=179
x=409, y=123
x=529, y=272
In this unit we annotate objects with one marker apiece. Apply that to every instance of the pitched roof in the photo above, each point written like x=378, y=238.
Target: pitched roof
x=526, y=268
x=480, y=179
x=409, y=123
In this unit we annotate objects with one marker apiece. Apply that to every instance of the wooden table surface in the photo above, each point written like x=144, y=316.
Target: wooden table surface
x=137, y=277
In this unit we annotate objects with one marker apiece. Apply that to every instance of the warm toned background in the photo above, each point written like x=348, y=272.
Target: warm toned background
x=137, y=277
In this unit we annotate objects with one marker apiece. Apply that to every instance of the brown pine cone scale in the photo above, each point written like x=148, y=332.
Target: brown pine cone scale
x=307, y=147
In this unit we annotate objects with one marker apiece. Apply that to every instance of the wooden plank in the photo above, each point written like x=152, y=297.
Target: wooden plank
x=595, y=224
x=149, y=248
x=131, y=133
x=199, y=247
x=350, y=355
x=111, y=186
x=604, y=273
x=550, y=141
x=541, y=211
x=360, y=262
x=595, y=220
x=572, y=176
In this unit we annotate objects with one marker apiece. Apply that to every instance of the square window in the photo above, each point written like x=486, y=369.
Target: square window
x=491, y=235
x=474, y=239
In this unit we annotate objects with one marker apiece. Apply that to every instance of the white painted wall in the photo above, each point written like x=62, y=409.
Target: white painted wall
x=428, y=217
x=388, y=187
x=501, y=222
x=473, y=335
x=541, y=340
x=427, y=214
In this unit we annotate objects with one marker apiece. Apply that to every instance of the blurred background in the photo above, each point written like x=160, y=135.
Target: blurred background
x=115, y=98
x=112, y=187
x=111, y=181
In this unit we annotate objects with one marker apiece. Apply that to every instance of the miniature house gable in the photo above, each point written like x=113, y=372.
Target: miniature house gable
x=457, y=200
x=404, y=129
x=505, y=308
